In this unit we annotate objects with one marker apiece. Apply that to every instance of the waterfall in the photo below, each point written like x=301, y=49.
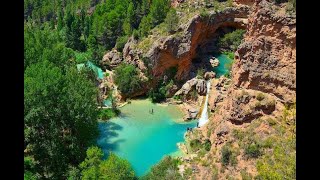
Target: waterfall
x=204, y=114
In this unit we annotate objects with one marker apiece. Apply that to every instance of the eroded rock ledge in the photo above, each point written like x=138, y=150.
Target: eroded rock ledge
x=179, y=49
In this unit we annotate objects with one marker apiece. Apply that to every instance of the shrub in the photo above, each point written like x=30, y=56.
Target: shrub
x=204, y=13
x=158, y=94
x=207, y=145
x=82, y=57
x=271, y=122
x=231, y=40
x=230, y=55
x=195, y=144
x=245, y=175
x=121, y=41
x=214, y=173
x=200, y=73
x=171, y=21
x=271, y=102
x=167, y=168
x=228, y=157
x=135, y=34
x=260, y=97
x=253, y=150
x=238, y=134
x=177, y=97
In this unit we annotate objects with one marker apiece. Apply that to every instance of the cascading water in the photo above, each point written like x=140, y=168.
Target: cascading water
x=204, y=114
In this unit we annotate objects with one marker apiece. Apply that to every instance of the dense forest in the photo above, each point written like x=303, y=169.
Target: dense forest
x=60, y=102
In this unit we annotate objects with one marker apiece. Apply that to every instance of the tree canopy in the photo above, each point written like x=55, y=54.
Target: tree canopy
x=93, y=167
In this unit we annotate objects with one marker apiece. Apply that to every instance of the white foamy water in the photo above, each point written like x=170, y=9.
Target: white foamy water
x=204, y=114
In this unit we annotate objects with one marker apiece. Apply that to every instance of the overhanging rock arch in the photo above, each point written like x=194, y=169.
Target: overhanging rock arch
x=180, y=50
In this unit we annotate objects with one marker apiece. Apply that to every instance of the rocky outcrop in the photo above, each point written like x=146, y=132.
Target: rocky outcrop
x=193, y=84
x=262, y=84
x=179, y=50
x=266, y=61
x=111, y=59
x=244, y=2
x=209, y=75
x=214, y=62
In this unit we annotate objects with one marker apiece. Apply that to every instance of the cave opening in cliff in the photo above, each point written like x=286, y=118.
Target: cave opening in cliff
x=214, y=45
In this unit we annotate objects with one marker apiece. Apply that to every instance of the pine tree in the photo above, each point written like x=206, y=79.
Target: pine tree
x=172, y=21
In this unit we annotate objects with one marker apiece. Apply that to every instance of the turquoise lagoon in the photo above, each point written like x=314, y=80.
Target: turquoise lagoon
x=141, y=137
x=144, y=138
x=222, y=68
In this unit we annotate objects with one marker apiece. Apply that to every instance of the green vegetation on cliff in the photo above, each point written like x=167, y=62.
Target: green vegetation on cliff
x=232, y=40
x=167, y=168
x=127, y=78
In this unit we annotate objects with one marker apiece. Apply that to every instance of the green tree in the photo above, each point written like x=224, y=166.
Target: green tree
x=158, y=10
x=116, y=168
x=167, y=168
x=232, y=40
x=145, y=26
x=171, y=21
x=129, y=21
x=90, y=166
x=93, y=167
x=60, y=117
x=127, y=78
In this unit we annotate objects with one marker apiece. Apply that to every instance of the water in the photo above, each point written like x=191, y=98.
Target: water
x=143, y=138
x=204, y=114
x=95, y=68
x=222, y=69
x=107, y=102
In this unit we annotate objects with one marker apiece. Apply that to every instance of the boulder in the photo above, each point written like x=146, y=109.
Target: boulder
x=193, y=113
x=209, y=75
x=112, y=59
x=214, y=62
x=199, y=85
x=128, y=48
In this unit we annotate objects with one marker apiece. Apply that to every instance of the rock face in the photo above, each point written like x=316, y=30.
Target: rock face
x=112, y=59
x=266, y=61
x=193, y=84
x=180, y=50
x=245, y=2
x=128, y=51
x=263, y=80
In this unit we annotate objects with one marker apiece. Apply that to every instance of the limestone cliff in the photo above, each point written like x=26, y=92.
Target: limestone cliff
x=266, y=61
x=180, y=49
x=255, y=108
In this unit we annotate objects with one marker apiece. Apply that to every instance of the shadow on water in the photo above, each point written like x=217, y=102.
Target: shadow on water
x=108, y=130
